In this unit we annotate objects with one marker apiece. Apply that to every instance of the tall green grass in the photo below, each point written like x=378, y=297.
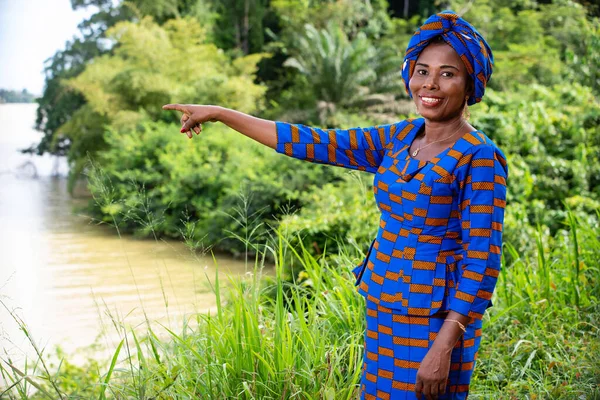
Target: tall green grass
x=542, y=338
x=276, y=337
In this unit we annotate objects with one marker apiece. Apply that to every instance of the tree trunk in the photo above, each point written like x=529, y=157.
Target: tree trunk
x=246, y=27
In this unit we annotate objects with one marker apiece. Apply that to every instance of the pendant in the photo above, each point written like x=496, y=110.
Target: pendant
x=415, y=152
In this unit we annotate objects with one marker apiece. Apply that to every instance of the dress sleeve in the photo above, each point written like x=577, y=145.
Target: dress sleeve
x=356, y=148
x=481, y=177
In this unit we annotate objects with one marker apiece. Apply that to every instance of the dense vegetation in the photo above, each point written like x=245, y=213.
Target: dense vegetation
x=281, y=59
x=541, y=109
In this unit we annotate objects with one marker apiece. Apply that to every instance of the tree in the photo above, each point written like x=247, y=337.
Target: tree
x=151, y=65
x=239, y=24
x=345, y=73
x=60, y=106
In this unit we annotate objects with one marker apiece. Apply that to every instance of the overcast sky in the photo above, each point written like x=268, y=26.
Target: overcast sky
x=30, y=32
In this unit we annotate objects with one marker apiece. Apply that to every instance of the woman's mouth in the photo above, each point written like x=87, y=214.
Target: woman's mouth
x=430, y=101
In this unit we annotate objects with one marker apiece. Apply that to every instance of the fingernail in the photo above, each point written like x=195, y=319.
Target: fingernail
x=182, y=130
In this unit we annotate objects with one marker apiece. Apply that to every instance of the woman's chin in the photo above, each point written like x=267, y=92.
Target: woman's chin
x=437, y=115
x=432, y=116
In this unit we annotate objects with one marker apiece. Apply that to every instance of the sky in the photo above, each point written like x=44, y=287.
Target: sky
x=30, y=32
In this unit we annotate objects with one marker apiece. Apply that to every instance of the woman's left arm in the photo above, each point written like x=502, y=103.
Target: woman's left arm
x=481, y=179
x=482, y=200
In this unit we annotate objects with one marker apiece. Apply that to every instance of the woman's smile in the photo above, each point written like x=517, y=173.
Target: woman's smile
x=430, y=101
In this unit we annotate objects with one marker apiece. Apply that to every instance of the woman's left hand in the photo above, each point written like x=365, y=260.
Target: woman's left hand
x=432, y=376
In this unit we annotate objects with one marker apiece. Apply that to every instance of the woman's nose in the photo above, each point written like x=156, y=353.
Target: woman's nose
x=430, y=82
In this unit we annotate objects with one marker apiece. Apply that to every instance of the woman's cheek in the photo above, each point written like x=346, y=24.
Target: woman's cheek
x=413, y=84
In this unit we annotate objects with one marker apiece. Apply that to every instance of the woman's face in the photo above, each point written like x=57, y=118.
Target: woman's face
x=439, y=83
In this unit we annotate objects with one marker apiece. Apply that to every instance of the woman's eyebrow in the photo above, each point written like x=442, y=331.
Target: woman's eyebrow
x=449, y=66
x=441, y=66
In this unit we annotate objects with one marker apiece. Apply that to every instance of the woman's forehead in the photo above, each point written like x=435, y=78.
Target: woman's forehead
x=437, y=54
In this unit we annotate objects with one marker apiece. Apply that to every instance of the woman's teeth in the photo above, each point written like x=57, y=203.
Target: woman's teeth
x=430, y=100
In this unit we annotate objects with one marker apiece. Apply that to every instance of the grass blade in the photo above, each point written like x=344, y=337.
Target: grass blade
x=110, y=370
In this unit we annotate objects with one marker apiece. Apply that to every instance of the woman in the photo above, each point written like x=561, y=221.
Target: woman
x=441, y=187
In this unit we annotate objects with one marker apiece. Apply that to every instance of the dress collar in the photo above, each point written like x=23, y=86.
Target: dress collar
x=410, y=167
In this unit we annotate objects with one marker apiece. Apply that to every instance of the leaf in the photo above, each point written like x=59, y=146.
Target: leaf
x=110, y=370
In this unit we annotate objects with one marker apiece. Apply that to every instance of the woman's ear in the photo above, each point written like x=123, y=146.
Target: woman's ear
x=470, y=88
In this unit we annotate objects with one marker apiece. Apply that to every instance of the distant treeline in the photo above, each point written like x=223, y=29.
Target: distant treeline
x=13, y=96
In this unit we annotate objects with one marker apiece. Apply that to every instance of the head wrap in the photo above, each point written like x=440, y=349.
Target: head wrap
x=463, y=38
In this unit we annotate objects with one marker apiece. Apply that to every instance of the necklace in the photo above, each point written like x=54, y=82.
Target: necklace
x=414, y=154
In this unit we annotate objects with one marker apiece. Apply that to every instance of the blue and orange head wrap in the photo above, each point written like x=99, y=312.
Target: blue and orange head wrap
x=463, y=38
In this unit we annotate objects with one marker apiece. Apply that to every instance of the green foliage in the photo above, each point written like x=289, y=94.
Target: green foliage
x=156, y=177
x=143, y=72
x=542, y=43
x=239, y=24
x=551, y=137
x=348, y=55
x=336, y=213
x=344, y=74
x=147, y=66
x=85, y=131
x=540, y=294
x=338, y=68
x=59, y=103
x=109, y=12
x=352, y=16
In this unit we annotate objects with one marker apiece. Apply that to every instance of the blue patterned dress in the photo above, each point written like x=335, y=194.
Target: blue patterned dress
x=437, y=249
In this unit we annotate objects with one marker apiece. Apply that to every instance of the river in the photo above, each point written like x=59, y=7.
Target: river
x=68, y=278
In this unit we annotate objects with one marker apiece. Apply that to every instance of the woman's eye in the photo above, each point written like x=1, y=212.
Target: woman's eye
x=447, y=74
x=421, y=72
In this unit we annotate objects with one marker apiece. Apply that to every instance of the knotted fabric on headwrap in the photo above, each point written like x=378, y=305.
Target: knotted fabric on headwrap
x=463, y=38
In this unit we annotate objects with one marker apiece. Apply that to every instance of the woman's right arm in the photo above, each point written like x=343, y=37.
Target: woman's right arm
x=357, y=148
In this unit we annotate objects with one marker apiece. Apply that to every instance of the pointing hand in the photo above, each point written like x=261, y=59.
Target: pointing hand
x=193, y=116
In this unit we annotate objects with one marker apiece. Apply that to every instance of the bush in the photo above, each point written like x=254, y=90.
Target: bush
x=152, y=181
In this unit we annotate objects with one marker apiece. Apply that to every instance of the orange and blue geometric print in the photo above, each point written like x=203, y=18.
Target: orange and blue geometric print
x=439, y=241
x=358, y=148
x=470, y=46
x=395, y=345
x=437, y=248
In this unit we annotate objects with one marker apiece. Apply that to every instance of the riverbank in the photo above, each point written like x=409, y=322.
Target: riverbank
x=64, y=274
x=271, y=338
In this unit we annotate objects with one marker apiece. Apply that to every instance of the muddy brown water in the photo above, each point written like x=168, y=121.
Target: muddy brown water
x=66, y=277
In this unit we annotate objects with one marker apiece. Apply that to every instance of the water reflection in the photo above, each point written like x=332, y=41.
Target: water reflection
x=65, y=275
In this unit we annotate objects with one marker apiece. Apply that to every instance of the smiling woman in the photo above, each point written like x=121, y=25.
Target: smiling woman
x=429, y=274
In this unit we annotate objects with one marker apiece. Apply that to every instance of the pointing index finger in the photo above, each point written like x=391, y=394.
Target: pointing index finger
x=177, y=107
